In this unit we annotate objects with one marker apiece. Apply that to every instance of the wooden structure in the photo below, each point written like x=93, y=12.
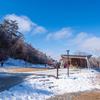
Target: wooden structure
x=83, y=60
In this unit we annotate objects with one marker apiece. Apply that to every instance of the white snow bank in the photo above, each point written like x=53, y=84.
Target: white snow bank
x=11, y=63
x=33, y=89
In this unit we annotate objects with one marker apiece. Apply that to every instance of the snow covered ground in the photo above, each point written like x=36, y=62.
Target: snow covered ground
x=11, y=63
x=37, y=89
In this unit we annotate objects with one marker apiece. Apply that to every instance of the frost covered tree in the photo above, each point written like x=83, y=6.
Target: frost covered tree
x=9, y=35
x=13, y=45
x=10, y=28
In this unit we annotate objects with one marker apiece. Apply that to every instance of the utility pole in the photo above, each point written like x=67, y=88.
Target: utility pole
x=68, y=62
x=57, y=64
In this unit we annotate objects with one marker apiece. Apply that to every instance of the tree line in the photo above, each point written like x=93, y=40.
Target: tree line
x=12, y=45
x=94, y=60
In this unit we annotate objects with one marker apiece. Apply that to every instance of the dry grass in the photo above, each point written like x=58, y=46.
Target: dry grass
x=90, y=95
x=22, y=69
x=93, y=95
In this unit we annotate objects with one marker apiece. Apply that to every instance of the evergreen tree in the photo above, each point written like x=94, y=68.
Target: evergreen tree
x=10, y=28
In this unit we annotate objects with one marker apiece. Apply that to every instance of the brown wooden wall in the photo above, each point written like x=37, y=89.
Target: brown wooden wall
x=82, y=62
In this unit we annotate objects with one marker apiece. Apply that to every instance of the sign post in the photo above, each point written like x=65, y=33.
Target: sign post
x=68, y=62
x=98, y=61
x=57, y=69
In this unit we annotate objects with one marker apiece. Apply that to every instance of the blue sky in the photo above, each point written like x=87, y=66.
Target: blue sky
x=53, y=26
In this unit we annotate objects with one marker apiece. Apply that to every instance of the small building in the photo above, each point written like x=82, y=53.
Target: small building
x=83, y=60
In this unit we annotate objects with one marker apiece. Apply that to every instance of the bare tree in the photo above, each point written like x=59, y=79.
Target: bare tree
x=96, y=60
x=81, y=53
x=93, y=62
x=97, y=52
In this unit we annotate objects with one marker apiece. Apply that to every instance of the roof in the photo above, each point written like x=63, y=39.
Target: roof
x=77, y=56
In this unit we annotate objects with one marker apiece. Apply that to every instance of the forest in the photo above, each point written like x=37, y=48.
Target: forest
x=12, y=45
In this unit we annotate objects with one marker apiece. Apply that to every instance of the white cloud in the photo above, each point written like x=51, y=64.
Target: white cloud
x=48, y=36
x=52, y=54
x=24, y=23
x=82, y=35
x=85, y=41
x=78, y=39
x=39, y=30
x=90, y=43
x=63, y=33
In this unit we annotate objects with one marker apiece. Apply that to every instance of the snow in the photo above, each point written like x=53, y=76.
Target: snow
x=11, y=63
x=34, y=89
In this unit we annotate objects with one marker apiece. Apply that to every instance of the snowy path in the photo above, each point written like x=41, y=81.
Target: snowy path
x=54, y=71
x=39, y=88
x=8, y=80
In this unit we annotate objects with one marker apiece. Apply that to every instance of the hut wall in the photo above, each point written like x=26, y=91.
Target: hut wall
x=82, y=62
x=73, y=61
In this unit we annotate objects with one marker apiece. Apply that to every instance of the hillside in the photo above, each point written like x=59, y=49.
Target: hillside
x=13, y=45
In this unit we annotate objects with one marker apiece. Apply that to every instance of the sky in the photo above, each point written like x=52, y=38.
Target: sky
x=54, y=26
